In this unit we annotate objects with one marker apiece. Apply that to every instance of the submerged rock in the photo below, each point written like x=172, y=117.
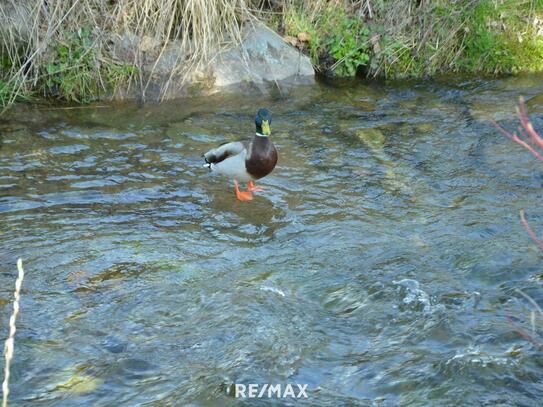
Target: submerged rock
x=373, y=138
x=79, y=383
x=535, y=104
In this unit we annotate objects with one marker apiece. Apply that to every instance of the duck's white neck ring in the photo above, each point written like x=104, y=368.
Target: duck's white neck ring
x=261, y=135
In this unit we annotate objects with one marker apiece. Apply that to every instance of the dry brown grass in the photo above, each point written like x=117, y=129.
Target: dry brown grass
x=410, y=29
x=35, y=30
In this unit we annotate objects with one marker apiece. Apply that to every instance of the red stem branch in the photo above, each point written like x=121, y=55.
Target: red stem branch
x=536, y=138
x=529, y=230
x=527, y=130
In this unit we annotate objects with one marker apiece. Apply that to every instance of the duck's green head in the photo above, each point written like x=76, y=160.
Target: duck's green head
x=263, y=121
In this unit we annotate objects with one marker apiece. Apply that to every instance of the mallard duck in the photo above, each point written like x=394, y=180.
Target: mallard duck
x=246, y=161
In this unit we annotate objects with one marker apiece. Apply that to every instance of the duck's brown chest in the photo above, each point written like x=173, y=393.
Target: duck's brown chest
x=261, y=158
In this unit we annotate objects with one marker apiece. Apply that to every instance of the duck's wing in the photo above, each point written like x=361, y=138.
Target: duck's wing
x=221, y=153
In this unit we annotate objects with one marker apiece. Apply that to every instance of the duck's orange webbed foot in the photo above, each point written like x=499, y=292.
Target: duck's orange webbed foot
x=242, y=195
x=254, y=188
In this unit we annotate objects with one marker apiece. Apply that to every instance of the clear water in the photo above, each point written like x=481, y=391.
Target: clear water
x=379, y=266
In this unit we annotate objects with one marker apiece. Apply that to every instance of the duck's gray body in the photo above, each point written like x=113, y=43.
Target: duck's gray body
x=243, y=161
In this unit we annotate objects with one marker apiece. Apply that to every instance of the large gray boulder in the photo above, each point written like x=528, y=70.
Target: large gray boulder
x=263, y=57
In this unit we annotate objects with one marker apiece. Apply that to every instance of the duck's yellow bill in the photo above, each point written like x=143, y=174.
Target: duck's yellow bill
x=266, y=128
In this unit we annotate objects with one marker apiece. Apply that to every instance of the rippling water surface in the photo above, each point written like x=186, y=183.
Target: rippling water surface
x=379, y=266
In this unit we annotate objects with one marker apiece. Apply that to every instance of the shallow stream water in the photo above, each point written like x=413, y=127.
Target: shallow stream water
x=380, y=266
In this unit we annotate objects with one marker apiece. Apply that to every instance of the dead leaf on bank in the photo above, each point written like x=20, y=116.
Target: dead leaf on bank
x=291, y=40
x=148, y=44
x=304, y=36
x=374, y=40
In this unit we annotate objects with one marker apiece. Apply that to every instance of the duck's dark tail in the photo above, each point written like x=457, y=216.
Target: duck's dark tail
x=207, y=164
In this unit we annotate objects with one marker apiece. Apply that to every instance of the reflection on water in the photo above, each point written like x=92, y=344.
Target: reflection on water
x=379, y=266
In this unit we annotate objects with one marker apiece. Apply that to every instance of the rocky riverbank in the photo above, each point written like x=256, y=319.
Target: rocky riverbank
x=83, y=50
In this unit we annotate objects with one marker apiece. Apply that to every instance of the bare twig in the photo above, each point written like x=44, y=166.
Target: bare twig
x=529, y=230
x=534, y=137
x=9, y=345
x=522, y=332
x=531, y=141
x=527, y=131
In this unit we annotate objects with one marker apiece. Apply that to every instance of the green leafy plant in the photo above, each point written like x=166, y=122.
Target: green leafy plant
x=338, y=41
x=73, y=72
x=76, y=72
x=349, y=47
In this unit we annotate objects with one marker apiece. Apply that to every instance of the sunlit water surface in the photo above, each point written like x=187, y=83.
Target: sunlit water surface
x=379, y=267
